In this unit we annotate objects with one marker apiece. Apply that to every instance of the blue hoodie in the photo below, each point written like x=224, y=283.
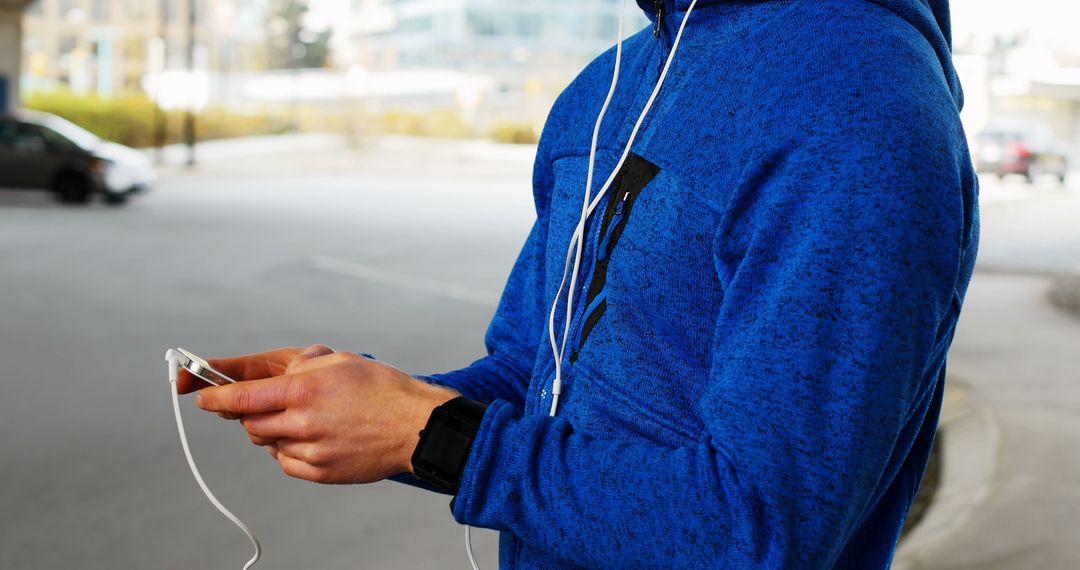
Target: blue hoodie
x=768, y=294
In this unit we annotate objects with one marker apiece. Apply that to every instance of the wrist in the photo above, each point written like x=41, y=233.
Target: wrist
x=422, y=407
x=446, y=442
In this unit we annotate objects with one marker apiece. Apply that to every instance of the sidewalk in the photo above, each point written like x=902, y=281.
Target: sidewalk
x=1030, y=229
x=322, y=153
x=1011, y=433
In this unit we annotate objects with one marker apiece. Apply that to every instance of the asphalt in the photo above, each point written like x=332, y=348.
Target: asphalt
x=1065, y=294
x=1012, y=450
x=399, y=249
x=226, y=260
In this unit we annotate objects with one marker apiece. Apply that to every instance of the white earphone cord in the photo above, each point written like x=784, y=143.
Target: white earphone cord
x=174, y=372
x=577, y=239
x=574, y=251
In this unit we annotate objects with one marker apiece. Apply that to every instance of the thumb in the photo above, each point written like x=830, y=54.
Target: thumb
x=313, y=351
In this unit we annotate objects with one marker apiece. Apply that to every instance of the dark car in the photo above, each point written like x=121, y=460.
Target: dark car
x=1030, y=151
x=42, y=151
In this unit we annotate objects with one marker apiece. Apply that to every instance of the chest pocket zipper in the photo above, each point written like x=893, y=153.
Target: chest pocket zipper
x=635, y=175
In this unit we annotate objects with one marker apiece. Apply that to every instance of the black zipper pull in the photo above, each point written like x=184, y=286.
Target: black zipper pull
x=659, y=5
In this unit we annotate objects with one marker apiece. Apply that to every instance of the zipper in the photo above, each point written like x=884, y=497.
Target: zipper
x=658, y=5
x=603, y=251
x=636, y=174
x=605, y=245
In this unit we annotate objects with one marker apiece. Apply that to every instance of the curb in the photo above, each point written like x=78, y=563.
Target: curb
x=971, y=439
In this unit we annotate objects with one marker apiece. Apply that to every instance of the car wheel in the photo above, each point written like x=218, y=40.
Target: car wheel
x=72, y=188
x=1033, y=172
x=115, y=199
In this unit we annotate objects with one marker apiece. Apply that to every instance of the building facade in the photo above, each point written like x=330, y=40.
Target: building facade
x=10, y=47
x=488, y=34
x=110, y=47
x=514, y=57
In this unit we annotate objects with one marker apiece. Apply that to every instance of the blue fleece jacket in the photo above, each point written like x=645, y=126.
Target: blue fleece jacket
x=767, y=298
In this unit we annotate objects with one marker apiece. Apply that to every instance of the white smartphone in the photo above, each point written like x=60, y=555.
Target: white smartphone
x=197, y=366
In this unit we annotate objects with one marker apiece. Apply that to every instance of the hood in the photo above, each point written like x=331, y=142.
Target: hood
x=121, y=154
x=930, y=17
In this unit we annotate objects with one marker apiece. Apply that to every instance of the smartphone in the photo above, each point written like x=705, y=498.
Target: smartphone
x=197, y=366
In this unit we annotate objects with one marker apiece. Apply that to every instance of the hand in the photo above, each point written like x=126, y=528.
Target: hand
x=251, y=367
x=334, y=419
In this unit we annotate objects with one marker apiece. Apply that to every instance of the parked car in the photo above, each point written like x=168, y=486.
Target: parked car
x=43, y=151
x=1028, y=150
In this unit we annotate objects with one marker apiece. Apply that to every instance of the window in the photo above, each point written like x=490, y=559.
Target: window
x=416, y=24
x=28, y=138
x=72, y=11
x=480, y=23
x=7, y=134
x=99, y=10
x=56, y=140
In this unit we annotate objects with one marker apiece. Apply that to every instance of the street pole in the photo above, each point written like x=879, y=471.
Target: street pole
x=159, y=113
x=189, y=115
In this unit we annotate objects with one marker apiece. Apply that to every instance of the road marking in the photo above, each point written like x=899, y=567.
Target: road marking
x=403, y=281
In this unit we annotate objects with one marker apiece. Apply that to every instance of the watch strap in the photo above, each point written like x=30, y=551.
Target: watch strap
x=443, y=466
x=469, y=410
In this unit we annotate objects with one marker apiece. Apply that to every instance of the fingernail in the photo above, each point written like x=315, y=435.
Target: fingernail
x=199, y=399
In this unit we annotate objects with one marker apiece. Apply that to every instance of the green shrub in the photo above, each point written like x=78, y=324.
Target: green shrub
x=514, y=133
x=128, y=120
x=133, y=119
x=437, y=123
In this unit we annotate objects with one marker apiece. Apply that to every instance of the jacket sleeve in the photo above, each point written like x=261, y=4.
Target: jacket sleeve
x=838, y=264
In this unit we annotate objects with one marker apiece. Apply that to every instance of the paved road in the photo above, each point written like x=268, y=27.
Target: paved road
x=1019, y=355
x=401, y=253
x=245, y=255
x=1030, y=229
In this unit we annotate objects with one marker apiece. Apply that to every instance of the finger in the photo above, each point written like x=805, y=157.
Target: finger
x=252, y=397
x=257, y=365
x=273, y=425
x=272, y=450
x=262, y=441
x=302, y=450
x=311, y=363
x=311, y=352
x=241, y=368
x=296, y=468
x=229, y=416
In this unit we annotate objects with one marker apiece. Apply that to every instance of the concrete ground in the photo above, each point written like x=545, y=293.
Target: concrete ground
x=401, y=251
x=400, y=254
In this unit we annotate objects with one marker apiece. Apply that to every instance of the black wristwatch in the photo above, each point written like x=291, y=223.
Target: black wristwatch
x=439, y=458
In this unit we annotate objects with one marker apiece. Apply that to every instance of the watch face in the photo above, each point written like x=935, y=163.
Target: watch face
x=444, y=446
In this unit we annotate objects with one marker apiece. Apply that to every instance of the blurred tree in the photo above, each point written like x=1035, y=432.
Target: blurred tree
x=293, y=45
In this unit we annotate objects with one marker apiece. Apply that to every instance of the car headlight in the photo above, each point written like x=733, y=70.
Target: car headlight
x=100, y=165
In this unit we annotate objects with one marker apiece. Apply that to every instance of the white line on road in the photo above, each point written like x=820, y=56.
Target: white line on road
x=403, y=281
